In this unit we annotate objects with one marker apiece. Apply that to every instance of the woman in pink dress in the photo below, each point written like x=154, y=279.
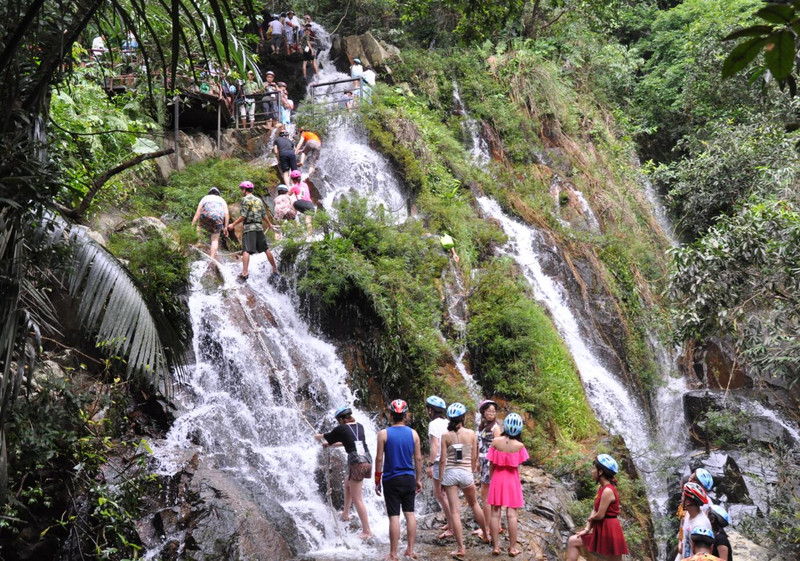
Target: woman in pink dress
x=505, y=456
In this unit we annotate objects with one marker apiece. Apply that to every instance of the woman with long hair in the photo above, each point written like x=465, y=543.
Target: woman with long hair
x=603, y=533
x=505, y=456
x=488, y=430
x=351, y=435
x=457, y=463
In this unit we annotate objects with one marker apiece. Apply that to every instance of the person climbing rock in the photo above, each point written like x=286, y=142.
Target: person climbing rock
x=310, y=146
x=398, y=476
x=252, y=214
x=212, y=213
x=457, y=462
x=284, y=151
x=449, y=245
x=719, y=519
x=603, y=533
x=488, y=430
x=701, y=542
x=302, y=194
x=436, y=408
x=694, y=497
x=284, y=207
x=505, y=455
x=352, y=436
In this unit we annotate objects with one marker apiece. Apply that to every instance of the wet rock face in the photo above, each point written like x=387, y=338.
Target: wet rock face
x=204, y=514
x=716, y=364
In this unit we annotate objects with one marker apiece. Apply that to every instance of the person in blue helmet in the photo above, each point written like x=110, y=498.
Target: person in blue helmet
x=436, y=408
x=505, y=455
x=457, y=463
x=352, y=436
x=719, y=519
x=398, y=476
x=702, y=540
x=603, y=532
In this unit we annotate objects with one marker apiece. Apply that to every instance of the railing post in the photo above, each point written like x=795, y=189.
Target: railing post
x=176, y=114
x=219, y=123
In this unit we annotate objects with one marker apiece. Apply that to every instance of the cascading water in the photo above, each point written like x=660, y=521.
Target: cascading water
x=477, y=145
x=241, y=402
x=617, y=409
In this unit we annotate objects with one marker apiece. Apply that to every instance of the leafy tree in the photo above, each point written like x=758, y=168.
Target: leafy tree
x=742, y=279
x=777, y=35
x=722, y=166
x=36, y=37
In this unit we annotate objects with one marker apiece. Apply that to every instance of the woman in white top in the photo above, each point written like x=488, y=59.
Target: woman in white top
x=458, y=463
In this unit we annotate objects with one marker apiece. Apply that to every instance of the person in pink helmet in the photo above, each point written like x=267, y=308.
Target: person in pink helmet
x=302, y=194
x=252, y=214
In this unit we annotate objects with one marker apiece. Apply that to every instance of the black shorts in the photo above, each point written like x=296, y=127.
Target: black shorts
x=287, y=161
x=303, y=206
x=254, y=242
x=399, y=491
x=308, y=55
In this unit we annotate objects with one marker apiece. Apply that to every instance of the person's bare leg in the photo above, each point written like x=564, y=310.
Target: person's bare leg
x=411, y=534
x=245, y=263
x=472, y=499
x=358, y=501
x=394, y=536
x=511, y=515
x=455, y=518
x=214, y=246
x=495, y=524
x=302, y=159
x=271, y=259
x=438, y=492
x=286, y=179
x=574, y=545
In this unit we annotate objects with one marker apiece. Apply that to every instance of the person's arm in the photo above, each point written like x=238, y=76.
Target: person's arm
x=417, y=460
x=605, y=501
x=197, y=214
x=435, y=442
x=227, y=219
x=275, y=149
x=475, y=468
x=299, y=145
x=379, y=460
x=233, y=224
x=442, y=454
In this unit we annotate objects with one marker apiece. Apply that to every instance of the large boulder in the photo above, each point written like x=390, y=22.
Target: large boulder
x=371, y=51
x=144, y=228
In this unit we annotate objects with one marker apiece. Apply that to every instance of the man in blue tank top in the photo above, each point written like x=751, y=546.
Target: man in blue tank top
x=398, y=463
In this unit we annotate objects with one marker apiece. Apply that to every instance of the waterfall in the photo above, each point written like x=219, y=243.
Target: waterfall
x=477, y=145
x=615, y=407
x=245, y=415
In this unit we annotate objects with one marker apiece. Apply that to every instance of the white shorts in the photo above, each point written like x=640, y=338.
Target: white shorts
x=457, y=476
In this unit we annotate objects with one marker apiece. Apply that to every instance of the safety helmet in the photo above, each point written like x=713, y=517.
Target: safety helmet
x=512, y=424
x=436, y=402
x=456, y=410
x=343, y=411
x=295, y=174
x=720, y=514
x=357, y=60
x=398, y=406
x=704, y=478
x=246, y=185
x=283, y=188
x=284, y=132
x=213, y=191
x=485, y=404
x=269, y=72
x=232, y=89
x=702, y=535
x=608, y=462
x=696, y=492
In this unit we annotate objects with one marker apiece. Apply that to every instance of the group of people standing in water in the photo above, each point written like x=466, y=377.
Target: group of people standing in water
x=460, y=459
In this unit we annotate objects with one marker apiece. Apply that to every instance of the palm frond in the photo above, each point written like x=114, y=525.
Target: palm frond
x=112, y=308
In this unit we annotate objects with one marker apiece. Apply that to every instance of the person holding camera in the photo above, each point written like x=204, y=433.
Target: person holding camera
x=459, y=462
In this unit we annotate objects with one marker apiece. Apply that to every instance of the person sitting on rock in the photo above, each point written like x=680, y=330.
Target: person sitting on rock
x=701, y=541
x=212, y=213
x=719, y=519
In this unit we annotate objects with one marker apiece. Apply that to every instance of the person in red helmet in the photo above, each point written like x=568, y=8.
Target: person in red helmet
x=694, y=497
x=398, y=474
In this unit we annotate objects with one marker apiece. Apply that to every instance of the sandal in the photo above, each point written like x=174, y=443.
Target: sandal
x=495, y=552
x=242, y=277
x=513, y=552
x=446, y=534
